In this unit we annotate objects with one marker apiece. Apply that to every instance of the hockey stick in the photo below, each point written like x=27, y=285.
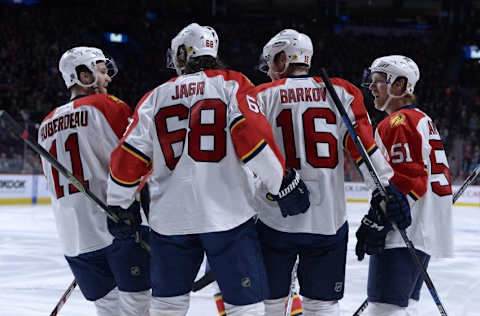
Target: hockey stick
x=291, y=294
x=456, y=196
x=205, y=280
x=64, y=298
x=465, y=184
x=7, y=122
x=381, y=188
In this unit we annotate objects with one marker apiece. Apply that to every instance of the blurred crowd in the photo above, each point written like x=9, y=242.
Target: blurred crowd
x=34, y=37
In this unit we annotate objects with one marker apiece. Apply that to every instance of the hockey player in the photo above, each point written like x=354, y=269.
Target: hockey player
x=81, y=134
x=206, y=137
x=309, y=129
x=410, y=140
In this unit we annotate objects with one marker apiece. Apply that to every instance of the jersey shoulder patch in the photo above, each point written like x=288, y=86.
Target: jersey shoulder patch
x=397, y=120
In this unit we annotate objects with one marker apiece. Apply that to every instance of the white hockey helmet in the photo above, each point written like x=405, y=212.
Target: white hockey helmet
x=198, y=40
x=297, y=46
x=87, y=56
x=395, y=66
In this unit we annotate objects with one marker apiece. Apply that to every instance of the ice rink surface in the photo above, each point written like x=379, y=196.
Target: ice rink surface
x=34, y=273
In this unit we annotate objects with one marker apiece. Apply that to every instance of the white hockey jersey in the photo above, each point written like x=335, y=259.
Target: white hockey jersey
x=81, y=135
x=199, y=132
x=309, y=129
x=414, y=148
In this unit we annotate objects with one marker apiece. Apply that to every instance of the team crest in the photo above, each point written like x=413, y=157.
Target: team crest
x=115, y=99
x=397, y=120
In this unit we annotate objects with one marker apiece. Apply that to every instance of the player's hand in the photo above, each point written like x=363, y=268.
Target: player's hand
x=293, y=197
x=397, y=207
x=129, y=223
x=371, y=235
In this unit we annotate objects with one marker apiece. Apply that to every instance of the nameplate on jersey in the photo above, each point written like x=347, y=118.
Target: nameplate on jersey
x=186, y=90
x=303, y=94
x=64, y=122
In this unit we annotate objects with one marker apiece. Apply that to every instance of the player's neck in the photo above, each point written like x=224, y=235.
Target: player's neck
x=396, y=105
x=298, y=72
x=76, y=91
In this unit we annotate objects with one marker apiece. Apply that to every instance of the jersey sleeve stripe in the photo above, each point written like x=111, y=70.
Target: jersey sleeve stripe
x=413, y=195
x=236, y=122
x=124, y=183
x=252, y=153
x=346, y=142
x=135, y=152
x=370, y=152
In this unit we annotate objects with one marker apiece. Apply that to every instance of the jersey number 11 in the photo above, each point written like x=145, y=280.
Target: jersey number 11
x=71, y=145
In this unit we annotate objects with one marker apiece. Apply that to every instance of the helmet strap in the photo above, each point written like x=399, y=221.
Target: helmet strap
x=390, y=97
x=89, y=85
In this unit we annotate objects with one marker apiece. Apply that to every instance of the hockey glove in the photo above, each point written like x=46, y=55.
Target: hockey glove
x=371, y=235
x=130, y=220
x=397, y=207
x=293, y=197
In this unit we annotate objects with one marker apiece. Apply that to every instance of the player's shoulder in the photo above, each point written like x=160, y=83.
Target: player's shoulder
x=100, y=101
x=58, y=111
x=108, y=105
x=229, y=75
x=270, y=85
x=407, y=117
x=49, y=115
x=345, y=84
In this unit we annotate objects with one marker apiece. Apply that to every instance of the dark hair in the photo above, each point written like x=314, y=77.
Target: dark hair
x=200, y=63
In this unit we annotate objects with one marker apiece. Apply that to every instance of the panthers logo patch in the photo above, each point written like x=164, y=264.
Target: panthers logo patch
x=397, y=120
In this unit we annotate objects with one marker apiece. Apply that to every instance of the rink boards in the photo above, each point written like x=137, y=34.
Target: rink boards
x=32, y=189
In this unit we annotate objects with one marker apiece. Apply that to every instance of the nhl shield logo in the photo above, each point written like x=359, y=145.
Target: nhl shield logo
x=135, y=270
x=338, y=287
x=246, y=282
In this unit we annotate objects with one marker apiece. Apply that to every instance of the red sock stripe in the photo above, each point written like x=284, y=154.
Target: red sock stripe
x=220, y=304
x=297, y=308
